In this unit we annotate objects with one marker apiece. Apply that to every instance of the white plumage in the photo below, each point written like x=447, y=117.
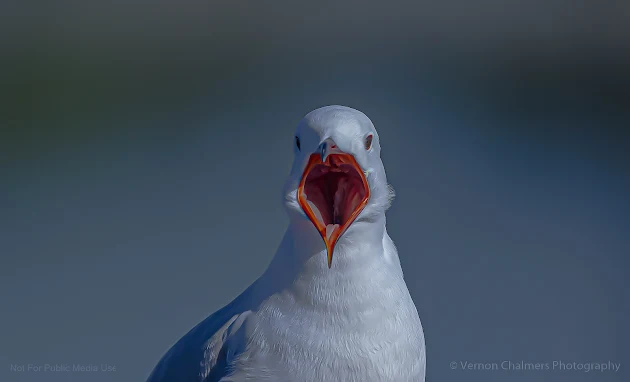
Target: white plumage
x=301, y=320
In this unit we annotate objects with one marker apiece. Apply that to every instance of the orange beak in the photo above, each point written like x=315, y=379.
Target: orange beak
x=332, y=194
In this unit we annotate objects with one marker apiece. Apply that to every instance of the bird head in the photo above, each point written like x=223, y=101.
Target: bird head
x=337, y=178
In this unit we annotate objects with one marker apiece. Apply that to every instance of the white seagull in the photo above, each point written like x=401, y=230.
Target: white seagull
x=309, y=318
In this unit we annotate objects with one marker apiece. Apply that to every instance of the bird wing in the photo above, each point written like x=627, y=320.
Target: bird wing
x=205, y=353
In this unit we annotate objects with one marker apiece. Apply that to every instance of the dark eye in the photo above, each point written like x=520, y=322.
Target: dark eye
x=368, y=141
x=297, y=142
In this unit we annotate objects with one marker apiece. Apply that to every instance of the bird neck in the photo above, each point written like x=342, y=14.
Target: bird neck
x=362, y=242
x=362, y=274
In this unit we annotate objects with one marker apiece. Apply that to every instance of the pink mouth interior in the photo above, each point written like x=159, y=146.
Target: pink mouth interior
x=334, y=192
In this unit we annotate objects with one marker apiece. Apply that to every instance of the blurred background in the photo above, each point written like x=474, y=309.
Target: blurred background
x=143, y=146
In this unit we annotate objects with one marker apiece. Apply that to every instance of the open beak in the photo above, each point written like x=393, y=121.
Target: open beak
x=332, y=193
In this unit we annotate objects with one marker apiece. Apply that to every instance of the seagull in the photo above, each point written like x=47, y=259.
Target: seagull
x=309, y=316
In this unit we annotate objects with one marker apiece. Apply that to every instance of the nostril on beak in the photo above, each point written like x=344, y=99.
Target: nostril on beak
x=322, y=151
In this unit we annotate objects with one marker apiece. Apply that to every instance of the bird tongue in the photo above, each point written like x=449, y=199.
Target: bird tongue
x=330, y=228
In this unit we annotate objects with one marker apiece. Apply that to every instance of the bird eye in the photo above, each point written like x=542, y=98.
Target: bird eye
x=368, y=141
x=297, y=142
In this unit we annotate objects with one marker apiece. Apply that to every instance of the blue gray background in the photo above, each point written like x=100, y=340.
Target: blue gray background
x=143, y=148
